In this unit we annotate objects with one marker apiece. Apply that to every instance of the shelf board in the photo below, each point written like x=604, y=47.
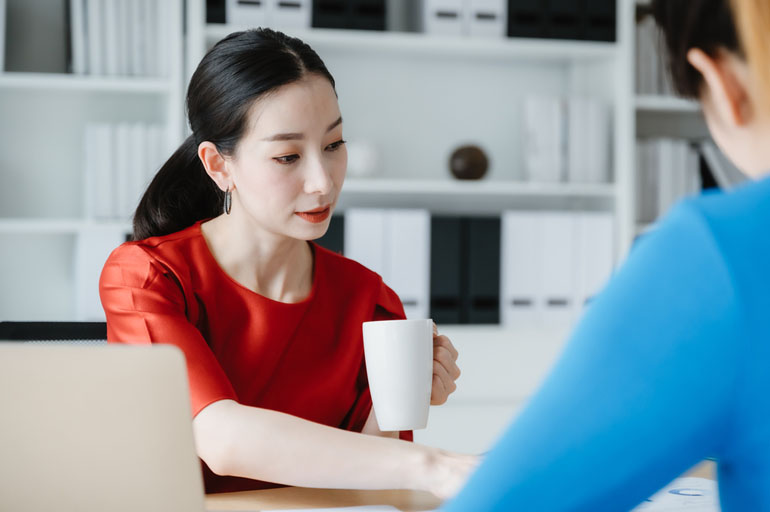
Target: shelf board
x=471, y=197
x=57, y=226
x=79, y=83
x=419, y=44
x=660, y=103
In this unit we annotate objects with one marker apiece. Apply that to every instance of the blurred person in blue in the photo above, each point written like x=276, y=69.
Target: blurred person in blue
x=671, y=363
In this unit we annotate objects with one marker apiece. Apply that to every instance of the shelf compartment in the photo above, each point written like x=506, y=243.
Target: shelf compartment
x=79, y=83
x=669, y=104
x=414, y=44
x=473, y=197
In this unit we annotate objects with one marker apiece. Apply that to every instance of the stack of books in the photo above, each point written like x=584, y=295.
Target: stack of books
x=127, y=38
x=121, y=159
x=567, y=140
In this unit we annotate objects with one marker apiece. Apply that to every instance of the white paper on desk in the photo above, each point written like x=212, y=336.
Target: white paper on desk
x=690, y=493
x=366, y=508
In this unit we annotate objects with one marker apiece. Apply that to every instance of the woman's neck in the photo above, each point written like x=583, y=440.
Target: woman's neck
x=277, y=267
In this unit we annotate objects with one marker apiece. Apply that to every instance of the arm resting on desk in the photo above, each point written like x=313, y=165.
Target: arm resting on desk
x=237, y=440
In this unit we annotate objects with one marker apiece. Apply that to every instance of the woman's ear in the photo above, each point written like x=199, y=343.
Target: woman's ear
x=725, y=88
x=215, y=165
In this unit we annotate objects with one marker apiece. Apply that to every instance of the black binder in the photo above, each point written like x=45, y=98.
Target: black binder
x=349, y=14
x=445, y=270
x=483, y=296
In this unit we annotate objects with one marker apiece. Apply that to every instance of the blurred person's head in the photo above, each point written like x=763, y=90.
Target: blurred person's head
x=707, y=60
x=266, y=131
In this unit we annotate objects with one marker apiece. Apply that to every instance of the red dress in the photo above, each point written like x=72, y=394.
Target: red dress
x=304, y=359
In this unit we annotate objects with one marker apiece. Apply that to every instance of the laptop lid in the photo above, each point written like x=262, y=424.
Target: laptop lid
x=96, y=428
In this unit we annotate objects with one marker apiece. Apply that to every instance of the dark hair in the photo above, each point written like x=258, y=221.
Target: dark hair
x=686, y=24
x=238, y=70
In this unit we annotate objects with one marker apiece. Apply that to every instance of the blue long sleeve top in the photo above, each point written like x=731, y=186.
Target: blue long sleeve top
x=669, y=365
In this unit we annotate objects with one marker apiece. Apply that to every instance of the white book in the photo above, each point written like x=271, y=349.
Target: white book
x=112, y=38
x=558, y=254
x=92, y=248
x=150, y=37
x=104, y=187
x=163, y=52
x=577, y=140
x=126, y=24
x=520, y=268
x=597, y=139
x=77, y=36
x=121, y=30
x=487, y=18
x=138, y=176
x=90, y=142
x=293, y=15
x=250, y=14
x=407, y=259
x=364, y=236
x=545, y=139
x=156, y=154
x=444, y=17
x=138, y=22
x=122, y=166
x=96, y=37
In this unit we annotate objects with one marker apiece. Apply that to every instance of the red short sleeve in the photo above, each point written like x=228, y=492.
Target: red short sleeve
x=145, y=303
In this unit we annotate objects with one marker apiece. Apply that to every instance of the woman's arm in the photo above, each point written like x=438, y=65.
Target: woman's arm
x=237, y=440
x=642, y=392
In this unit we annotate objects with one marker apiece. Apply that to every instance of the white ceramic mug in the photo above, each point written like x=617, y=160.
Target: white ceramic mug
x=399, y=364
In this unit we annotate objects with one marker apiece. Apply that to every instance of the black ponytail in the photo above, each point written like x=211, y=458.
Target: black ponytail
x=236, y=72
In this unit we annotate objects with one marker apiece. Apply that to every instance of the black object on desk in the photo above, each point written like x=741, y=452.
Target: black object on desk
x=53, y=331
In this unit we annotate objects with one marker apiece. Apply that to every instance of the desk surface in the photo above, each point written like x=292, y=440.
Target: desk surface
x=298, y=497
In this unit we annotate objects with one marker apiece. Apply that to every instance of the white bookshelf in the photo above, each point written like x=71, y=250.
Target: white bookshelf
x=669, y=104
x=407, y=44
x=418, y=96
x=44, y=201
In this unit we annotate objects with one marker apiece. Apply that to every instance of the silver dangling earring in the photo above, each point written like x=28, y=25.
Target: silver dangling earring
x=228, y=201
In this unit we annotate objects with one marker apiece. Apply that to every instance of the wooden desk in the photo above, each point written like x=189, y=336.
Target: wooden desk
x=298, y=497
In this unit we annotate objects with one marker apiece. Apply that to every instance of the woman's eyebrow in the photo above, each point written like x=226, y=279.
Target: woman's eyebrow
x=299, y=136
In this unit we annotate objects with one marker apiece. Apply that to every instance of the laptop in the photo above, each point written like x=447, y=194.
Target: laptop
x=96, y=429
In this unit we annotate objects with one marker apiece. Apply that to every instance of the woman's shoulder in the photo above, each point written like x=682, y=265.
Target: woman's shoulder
x=139, y=262
x=165, y=247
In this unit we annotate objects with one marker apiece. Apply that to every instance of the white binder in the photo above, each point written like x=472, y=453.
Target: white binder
x=444, y=17
x=487, y=18
x=408, y=259
x=252, y=14
x=289, y=15
x=558, y=254
x=520, y=268
x=365, y=238
x=396, y=245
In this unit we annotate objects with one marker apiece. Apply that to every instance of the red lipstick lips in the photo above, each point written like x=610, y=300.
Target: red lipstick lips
x=317, y=215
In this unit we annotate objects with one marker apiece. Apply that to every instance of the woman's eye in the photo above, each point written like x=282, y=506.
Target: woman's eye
x=334, y=146
x=288, y=159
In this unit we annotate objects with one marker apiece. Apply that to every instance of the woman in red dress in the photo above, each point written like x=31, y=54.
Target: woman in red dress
x=270, y=323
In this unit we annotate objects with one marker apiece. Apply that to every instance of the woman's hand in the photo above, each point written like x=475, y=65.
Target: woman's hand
x=450, y=472
x=445, y=369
